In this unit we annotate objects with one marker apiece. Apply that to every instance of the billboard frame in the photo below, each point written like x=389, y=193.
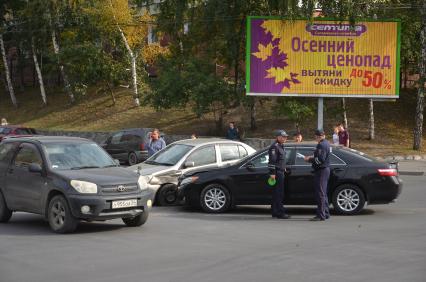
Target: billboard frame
x=397, y=71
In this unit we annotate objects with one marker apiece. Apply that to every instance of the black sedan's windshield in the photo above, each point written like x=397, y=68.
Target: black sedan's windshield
x=64, y=156
x=170, y=155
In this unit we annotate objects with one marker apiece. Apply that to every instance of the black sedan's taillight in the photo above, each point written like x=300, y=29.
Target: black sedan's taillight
x=387, y=172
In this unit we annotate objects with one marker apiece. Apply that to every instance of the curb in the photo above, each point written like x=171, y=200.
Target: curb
x=402, y=158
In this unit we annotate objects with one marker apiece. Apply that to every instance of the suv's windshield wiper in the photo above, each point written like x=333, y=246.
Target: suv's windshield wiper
x=83, y=167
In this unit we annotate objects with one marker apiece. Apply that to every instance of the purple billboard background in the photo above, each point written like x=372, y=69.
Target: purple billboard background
x=259, y=83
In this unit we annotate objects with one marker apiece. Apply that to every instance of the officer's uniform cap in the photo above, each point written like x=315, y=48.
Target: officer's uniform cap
x=281, y=133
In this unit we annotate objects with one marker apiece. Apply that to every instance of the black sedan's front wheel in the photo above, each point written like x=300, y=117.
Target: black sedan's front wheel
x=348, y=199
x=60, y=217
x=215, y=198
x=132, y=159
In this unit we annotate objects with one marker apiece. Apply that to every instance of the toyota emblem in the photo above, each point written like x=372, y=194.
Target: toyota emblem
x=121, y=188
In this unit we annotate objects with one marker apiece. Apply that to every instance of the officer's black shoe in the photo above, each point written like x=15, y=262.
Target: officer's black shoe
x=316, y=218
x=283, y=216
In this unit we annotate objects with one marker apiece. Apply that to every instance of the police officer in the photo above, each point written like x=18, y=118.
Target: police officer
x=276, y=167
x=321, y=165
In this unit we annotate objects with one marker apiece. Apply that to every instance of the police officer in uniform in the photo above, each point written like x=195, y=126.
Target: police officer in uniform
x=321, y=165
x=276, y=167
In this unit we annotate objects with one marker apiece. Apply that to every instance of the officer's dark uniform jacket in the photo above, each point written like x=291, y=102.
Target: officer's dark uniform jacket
x=322, y=155
x=276, y=158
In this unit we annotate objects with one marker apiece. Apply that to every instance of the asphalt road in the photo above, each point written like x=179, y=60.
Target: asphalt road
x=385, y=243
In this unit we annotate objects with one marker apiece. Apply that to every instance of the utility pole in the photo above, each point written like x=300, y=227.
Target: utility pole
x=418, y=129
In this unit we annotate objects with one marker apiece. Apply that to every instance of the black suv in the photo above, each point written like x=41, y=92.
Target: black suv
x=128, y=146
x=67, y=179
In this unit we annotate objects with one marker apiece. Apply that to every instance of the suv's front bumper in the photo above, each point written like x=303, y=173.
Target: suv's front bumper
x=101, y=206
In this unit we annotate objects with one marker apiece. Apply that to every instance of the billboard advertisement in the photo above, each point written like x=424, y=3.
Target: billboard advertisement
x=322, y=58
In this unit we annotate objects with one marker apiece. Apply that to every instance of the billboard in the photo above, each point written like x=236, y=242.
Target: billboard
x=322, y=58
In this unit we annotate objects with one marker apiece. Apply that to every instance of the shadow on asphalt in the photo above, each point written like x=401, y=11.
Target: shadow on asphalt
x=248, y=213
x=36, y=225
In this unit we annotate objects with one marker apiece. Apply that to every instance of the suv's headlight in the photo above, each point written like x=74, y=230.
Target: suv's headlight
x=84, y=187
x=142, y=183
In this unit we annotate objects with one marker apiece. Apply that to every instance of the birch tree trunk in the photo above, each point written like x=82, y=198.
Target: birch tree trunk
x=371, y=134
x=7, y=73
x=418, y=128
x=61, y=66
x=132, y=59
x=39, y=75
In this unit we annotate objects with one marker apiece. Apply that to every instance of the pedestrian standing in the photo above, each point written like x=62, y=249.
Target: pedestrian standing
x=343, y=136
x=232, y=132
x=336, y=135
x=298, y=138
x=155, y=143
x=321, y=165
x=4, y=122
x=277, y=167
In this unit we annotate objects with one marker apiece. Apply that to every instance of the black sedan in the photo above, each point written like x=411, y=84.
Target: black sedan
x=356, y=179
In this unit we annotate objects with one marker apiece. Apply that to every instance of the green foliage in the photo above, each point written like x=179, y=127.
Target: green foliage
x=296, y=109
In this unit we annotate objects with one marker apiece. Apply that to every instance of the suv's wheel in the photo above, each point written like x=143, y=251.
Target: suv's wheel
x=137, y=220
x=215, y=198
x=348, y=199
x=60, y=217
x=167, y=195
x=132, y=158
x=5, y=213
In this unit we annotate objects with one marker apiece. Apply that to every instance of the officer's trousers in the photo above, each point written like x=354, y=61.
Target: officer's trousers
x=321, y=181
x=278, y=195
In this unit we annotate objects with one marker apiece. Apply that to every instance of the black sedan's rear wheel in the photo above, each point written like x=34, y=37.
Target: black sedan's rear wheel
x=137, y=220
x=132, y=158
x=60, y=217
x=348, y=199
x=5, y=213
x=215, y=198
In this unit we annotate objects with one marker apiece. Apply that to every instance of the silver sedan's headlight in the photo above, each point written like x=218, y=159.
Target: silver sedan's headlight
x=142, y=182
x=84, y=187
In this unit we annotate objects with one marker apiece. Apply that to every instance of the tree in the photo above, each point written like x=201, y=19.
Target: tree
x=6, y=9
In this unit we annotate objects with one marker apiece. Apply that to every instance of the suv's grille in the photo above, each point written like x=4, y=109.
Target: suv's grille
x=120, y=188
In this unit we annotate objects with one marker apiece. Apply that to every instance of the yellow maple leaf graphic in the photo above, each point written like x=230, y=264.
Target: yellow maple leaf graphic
x=279, y=74
x=264, y=52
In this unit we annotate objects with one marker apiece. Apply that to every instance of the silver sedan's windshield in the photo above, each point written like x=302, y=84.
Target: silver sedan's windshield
x=64, y=156
x=170, y=155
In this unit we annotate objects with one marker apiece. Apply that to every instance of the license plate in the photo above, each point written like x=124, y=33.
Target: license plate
x=124, y=204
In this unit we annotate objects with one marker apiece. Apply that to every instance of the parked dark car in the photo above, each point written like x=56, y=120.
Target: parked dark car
x=355, y=179
x=68, y=179
x=16, y=130
x=128, y=146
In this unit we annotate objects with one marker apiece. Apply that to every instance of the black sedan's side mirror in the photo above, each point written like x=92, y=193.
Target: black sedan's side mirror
x=250, y=166
x=35, y=168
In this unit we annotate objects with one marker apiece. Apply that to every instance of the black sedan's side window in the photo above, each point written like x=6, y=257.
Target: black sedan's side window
x=301, y=153
x=27, y=155
x=263, y=159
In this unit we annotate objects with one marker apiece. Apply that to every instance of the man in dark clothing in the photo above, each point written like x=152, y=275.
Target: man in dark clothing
x=343, y=136
x=321, y=165
x=276, y=166
x=232, y=132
